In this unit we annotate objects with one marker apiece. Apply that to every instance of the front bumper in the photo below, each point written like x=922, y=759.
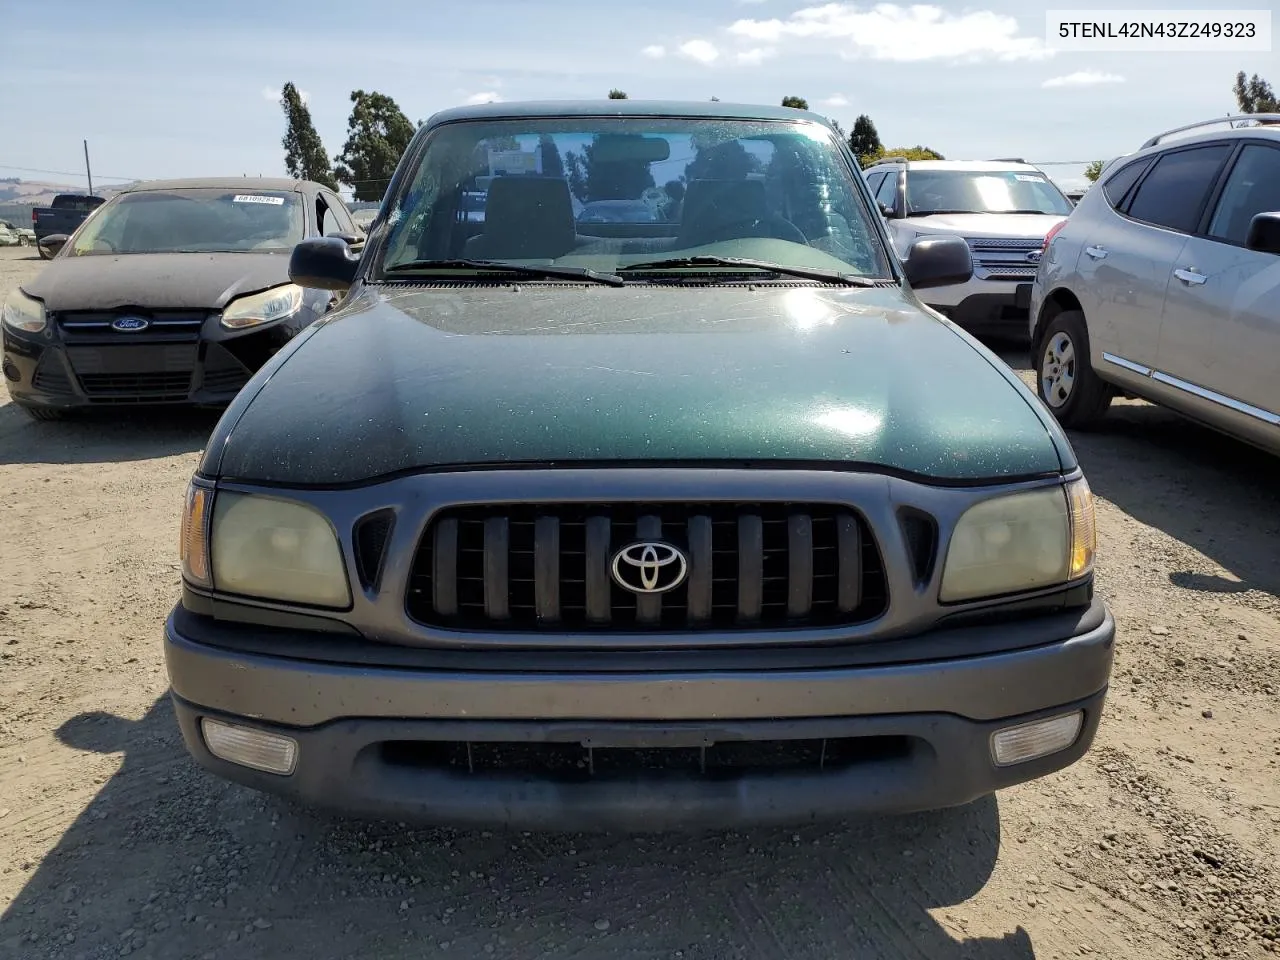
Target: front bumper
x=46, y=370
x=386, y=741
x=1004, y=311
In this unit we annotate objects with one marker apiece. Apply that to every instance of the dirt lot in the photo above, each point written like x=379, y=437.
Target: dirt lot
x=1162, y=843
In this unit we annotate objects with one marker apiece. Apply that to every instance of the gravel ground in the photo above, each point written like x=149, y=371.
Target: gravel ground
x=1161, y=844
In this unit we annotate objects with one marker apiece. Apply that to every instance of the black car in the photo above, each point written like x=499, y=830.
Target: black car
x=171, y=292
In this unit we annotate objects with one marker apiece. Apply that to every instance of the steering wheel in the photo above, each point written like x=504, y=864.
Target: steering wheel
x=770, y=226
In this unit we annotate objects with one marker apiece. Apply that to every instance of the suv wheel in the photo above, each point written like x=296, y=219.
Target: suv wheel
x=1065, y=380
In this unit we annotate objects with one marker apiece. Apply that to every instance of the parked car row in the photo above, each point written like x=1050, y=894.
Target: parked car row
x=15, y=236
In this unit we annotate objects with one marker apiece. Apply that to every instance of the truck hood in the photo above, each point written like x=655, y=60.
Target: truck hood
x=159, y=281
x=409, y=378
x=1007, y=226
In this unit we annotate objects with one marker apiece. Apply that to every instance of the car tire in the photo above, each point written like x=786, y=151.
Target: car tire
x=43, y=413
x=22, y=241
x=1065, y=379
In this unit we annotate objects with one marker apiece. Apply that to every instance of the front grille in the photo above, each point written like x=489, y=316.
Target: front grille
x=998, y=258
x=138, y=373
x=136, y=387
x=547, y=567
x=164, y=326
x=222, y=371
x=572, y=762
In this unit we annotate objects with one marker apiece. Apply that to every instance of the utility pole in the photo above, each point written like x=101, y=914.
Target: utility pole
x=87, y=171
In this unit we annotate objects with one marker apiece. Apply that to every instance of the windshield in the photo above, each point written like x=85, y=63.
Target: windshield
x=604, y=193
x=194, y=221
x=983, y=191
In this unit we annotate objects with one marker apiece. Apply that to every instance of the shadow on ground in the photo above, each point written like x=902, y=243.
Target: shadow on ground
x=168, y=862
x=1210, y=491
x=106, y=436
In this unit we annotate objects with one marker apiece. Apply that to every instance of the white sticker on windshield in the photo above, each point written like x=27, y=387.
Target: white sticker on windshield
x=250, y=198
x=514, y=162
x=1028, y=178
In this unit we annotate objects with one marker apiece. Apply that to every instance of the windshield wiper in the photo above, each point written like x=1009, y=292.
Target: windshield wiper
x=808, y=273
x=930, y=213
x=501, y=266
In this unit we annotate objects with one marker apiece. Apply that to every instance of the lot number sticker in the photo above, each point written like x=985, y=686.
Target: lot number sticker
x=1028, y=178
x=249, y=198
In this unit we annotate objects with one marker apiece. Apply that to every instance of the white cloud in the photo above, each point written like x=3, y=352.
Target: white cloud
x=655, y=51
x=699, y=50
x=1083, y=78
x=835, y=100
x=756, y=56
x=890, y=31
x=484, y=96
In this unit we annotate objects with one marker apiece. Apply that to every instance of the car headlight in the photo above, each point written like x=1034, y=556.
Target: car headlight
x=259, y=308
x=276, y=550
x=23, y=313
x=1021, y=541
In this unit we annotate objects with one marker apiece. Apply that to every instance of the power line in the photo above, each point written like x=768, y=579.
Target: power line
x=62, y=173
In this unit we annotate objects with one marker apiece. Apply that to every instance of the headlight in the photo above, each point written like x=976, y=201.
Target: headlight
x=23, y=313
x=258, y=308
x=1021, y=541
x=276, y=550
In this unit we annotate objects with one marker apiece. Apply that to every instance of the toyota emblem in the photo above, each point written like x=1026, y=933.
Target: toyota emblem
x=649, y=566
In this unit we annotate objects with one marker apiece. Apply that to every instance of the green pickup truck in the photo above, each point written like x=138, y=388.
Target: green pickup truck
x=564, y=524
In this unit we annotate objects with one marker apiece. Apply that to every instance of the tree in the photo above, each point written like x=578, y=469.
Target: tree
x=616, y=94
x=800, y=103
x=1255, y=95
x=835, y=125
x=1093, y=171
x=552, y=163
x=304, y=155
x=715, y=99
x=864, y=141
x=377, y=134
x=911, y=153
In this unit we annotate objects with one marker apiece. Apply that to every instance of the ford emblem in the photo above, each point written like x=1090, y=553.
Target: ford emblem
x=130, y=324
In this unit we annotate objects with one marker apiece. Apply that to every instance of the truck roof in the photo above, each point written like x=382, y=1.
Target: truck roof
x=219, y=183
x=621, y=108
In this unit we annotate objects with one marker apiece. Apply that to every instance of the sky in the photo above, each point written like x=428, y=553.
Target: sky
x=162, y=89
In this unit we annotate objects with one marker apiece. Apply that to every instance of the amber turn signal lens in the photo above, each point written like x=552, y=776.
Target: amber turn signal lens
x=1084, y=530
x=195, y=536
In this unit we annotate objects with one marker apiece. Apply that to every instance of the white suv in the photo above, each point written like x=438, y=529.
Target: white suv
x=1003, y=208
x=1165, y=284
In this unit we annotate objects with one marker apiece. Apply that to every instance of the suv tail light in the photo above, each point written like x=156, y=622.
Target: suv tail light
x=1048, y=237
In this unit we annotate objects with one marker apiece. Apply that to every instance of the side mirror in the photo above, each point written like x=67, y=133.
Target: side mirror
x=885, y=208
x=1264, y=233
x=323, y=263
x=354, y=241
x=938, y=262
x=53, y=243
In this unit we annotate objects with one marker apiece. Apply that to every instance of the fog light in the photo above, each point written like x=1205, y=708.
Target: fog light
x=1028, y=741
x=250, y=748
x=11, y=371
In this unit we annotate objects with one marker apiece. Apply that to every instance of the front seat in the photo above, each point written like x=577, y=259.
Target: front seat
x=525, y=218
x=716, y=210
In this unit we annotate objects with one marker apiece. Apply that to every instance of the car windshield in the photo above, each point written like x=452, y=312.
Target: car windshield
x=197, y=220
x=983, y=191
x=605, y=193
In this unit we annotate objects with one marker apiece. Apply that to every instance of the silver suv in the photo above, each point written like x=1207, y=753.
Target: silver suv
x=1003, y=208
x=1165, y=284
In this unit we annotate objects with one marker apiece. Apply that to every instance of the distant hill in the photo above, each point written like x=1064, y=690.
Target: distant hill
x=40, y=193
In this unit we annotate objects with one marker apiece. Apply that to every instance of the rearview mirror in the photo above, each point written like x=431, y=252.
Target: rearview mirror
x=617, y=148
x=53, y=243
x=323, y=263
x=1264, y=233
x=938, y=262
